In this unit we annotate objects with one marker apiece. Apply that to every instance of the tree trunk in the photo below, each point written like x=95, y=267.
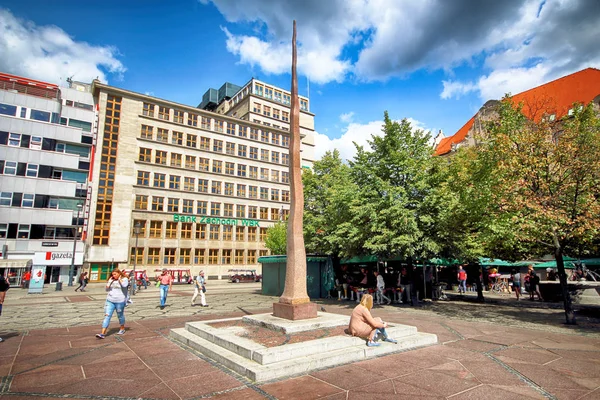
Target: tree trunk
x=480, y=297
x=560, y=264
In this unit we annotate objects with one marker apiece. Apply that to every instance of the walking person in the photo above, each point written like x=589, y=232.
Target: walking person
x=199, y=289
x=462, y=280
x=534, y=284
x=363, y=325
x=165, y=281
x=82, y=282
x=380, y=288
x=4, y=286
x=515, y=276
x=26, y=279
x=144, y=279
x=116, y=286
x=404, y=283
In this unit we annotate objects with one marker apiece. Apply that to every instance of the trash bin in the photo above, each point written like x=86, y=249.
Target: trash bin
x=58, y=286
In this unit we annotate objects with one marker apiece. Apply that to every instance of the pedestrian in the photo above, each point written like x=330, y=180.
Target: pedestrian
x=82, y=282
x=199, y=289
x=144, y=279
x=515, y=276
x=26, y=279
x=380, y=288
x=404, y=284
x=116, y=286
x=165, y=283
x=4, y=286
x=363, y=325
x=534, y=284
x=462, y=279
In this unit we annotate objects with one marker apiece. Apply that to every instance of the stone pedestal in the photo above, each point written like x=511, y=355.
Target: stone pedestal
x=295, y=311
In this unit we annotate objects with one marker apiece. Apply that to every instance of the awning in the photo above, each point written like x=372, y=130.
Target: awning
x=10, y=263
x=359, y=260
x=591, y=262
x=283, y=259
x=552, y=264
x=494, y=262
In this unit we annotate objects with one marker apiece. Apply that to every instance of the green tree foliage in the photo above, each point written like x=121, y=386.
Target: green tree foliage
x=532, y=187
x=276, y=240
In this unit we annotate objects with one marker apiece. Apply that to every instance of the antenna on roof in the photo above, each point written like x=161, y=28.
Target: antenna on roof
x=70, y=80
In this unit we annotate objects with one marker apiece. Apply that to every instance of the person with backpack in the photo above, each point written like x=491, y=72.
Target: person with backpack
x=199, y=289
x=4, y=286
x=534, y=284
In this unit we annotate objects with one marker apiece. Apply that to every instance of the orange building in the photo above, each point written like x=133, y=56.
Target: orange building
x=552, y=100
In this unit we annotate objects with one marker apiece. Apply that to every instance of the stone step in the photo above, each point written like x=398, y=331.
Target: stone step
x=344, y=351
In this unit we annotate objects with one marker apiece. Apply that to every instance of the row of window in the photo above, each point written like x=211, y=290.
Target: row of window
x=35, y=231
x=31, y=200
x=268, y=93
x=194, y=230
x=190, y=184
x=271, y=112
x=186, y=206
x=187, y=256
x=44, y=171
x=44, y=116
x=39, y=143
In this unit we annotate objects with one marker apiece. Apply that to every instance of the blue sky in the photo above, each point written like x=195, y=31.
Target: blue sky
x=432, y=61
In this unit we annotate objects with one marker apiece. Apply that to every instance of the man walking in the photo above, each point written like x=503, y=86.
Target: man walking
x=380, y=288
x=200, y=289
x=462, y=280
x=404, y=283
x=165, y=283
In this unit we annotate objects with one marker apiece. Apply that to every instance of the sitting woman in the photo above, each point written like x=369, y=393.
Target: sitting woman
x=363, y=325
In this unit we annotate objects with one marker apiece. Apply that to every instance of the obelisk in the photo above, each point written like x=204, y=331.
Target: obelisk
x=294, y=303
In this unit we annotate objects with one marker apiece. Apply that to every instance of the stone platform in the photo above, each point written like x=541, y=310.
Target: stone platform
x=263, y=347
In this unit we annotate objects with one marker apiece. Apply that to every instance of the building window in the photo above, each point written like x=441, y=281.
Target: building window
x=229, y=168
x=285, y=116
x=285, y=159
x=228, y=189
x=169, y=257
x=218, y=146
x=285, y=140
x=7, y=109
x=163, y=113
x=226, y=256
x=203, y=185
x=174, y=182
x=242, y=131
x=256, y=108
x=201, y=231
x=158, y=203
x=239, y=257
x=275, y=214
x=251, y=257
x=142, y=224
x=201, y=207
x=153, y=256
x=285, y=177
x=253, y=192
x=38, y=115
x=253, y=172
x=35, y=143
x=264, y=213
x=205, y=123
x=214, y=232
x=143, y=178
x=219, y=126
x=263, y=234
x=190, y=162
x=275, y=113
x=190, y=140
x=275, y=138
x=264, y=155
x=267, y=111
x=203, y=164
x=252, y=234
x=285, y=196
x=274, y=175
x=264, y=174
x=264, y=136
x=148, y=110
x=145, y=155
x=213, y=256
x=156, y=229
x=230, y=148
x=6, y=199
x=137, y=255
x=32, y=170
x=189, y=184
x=241, y=170
x=264, y=193
x=173, y=205
x=177, y=138
x=192, y=119
x=175, y=160
x=162, y=135
x=275, y=157
x=241, y=190
x=216, y=187
x=178, y=116
x=274, y=194
x=185, y=256
x=188, y=206
x=14, y=139
x=228, y=233
x=253, y=133
x=231, y=128
x=228, y=210
x=199, y=256
x=141, y=202
x=242, y=150
x=240, y=233
x=215, y=209
x=240, y=211
x=171, y=230
x=204, y=143
x=147, y=132
x=159, y=180
x=23, y=231
x=254, y=153
x=217, y=166
x=303, y=105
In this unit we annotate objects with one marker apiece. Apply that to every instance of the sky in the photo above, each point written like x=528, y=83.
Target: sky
x=434, y=62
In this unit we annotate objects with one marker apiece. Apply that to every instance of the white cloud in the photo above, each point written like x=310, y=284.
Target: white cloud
x=347, y=117
x=354, y=133
x=49, y=54
x=456, y=89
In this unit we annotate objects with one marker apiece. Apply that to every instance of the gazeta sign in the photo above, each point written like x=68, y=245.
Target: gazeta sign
x=215, y=220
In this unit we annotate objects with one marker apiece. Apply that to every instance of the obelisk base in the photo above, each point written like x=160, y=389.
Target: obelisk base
x=295, y=312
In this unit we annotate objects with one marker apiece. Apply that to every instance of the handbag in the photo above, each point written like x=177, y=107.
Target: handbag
x=203, y=289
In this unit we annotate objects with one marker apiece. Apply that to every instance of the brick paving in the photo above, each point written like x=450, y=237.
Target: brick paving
x=502, y=350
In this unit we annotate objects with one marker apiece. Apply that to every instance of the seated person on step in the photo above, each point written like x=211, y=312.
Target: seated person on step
x=364, y=326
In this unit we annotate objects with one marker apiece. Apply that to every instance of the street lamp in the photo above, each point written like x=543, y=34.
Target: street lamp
x=137, y=227
x=72, y=268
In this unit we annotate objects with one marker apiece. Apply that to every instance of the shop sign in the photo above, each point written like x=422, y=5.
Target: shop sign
x=57, y=258
x=50, y=244
x=36, y=283
x=215, y=221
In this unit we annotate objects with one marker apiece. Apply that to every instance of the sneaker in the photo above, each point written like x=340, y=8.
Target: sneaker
x=389, y=339
x=121, y=332
x=373, y=344
x=100, y=335
x=1, y=340
x=205, y=305
x=389, y=302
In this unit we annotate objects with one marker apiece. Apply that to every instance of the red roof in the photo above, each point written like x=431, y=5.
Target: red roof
x=26, y=81
x=555, y=97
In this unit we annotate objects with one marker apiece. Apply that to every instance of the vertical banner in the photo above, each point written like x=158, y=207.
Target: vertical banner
x=36, y=284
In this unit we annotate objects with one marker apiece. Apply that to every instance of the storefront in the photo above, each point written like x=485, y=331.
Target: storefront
x=56, y=265
x=14, y=270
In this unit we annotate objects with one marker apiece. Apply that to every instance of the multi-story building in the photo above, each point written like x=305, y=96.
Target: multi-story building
x=46, y=135
x=552, y=100
x=202, y=186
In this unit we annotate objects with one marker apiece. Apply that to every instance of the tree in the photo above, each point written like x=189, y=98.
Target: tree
x=276, y=239
x=536, y=184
